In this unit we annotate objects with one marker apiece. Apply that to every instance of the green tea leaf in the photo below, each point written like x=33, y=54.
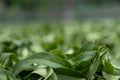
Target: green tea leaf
x=53, y=77
x=59, y=54
x=43, y=58
x=93, y=67
x=88, y=46
x=83, y=60
x=69, y=72
x=110, y=77
x=109, y=68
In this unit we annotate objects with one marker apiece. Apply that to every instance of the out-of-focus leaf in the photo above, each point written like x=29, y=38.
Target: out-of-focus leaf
x=3, y=75
x=6, y=58
x=6, y=75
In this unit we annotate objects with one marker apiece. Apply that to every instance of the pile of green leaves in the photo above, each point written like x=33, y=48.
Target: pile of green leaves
x=89, y=62
x=52, y=53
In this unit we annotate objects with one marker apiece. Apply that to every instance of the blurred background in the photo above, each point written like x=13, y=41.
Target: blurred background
x=31, y=26
x=22, y=11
